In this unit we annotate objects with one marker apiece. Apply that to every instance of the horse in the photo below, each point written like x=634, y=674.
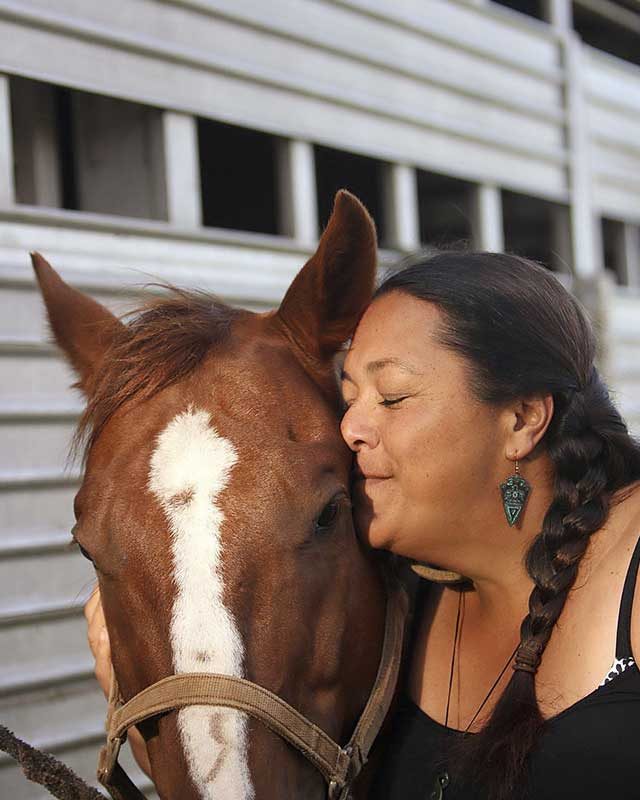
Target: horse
x=215, y=509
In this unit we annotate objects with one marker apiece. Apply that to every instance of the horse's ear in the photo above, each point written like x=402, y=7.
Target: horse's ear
x=82, y=328
x=327, y=297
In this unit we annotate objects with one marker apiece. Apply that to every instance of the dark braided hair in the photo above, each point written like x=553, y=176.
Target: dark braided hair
x=523, y=334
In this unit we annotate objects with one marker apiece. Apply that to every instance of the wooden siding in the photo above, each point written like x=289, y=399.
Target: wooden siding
x=454, y=93
x=613, y=97
x=623, y=338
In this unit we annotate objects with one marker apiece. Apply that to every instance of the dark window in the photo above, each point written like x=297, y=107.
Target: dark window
x=616, y=29
x=64, y=121
x=537, y=229
x=119, y=156
x=611, y=232
x=532, y=8
x=336, y=169
x=615, y=252
x=445, y=210
x=42, y=133
x=238, y=178
x=86, y=152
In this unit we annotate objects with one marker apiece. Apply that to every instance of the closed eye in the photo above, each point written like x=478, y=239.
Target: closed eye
x=84, y=553
x=393, y=402
x=75, y=542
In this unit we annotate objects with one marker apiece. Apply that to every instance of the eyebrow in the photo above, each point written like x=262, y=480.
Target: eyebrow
x=378, y=365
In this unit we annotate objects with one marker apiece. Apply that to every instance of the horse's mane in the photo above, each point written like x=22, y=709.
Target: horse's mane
x=165, y=339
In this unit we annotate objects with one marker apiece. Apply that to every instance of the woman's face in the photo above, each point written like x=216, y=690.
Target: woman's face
x=431, y=455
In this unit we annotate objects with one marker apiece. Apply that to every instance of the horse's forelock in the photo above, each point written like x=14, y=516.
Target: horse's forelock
x=165, y=340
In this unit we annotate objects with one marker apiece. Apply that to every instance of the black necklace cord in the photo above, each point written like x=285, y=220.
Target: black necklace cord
x=490, y=692
x=453, y=659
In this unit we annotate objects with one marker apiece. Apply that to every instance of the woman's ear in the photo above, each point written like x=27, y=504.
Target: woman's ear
x=528, y=421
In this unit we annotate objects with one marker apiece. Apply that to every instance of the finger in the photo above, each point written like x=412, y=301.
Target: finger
x=102, y=667
x=95, y=630
x=92, y=603
x=97, y=614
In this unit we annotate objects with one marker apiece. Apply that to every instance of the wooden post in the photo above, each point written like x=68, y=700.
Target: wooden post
x=561, y=255
x=182, y=170
x=7, y=179
x=488, y=226
x=585, y=227
x=297, y=198
x=400, y=203
x=627, y=254
x=559, y=14
x=632, y=255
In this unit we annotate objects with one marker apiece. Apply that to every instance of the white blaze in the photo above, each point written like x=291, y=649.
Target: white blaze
x=190, y=466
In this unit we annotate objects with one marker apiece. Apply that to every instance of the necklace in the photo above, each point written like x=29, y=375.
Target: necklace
x=442, y=778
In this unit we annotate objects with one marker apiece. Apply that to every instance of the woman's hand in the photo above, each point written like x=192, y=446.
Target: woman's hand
x=99, y=644
x=98, y=639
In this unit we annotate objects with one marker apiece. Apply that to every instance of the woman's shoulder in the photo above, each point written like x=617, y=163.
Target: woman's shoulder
x=618, y=536
x=614, y=549
x=628, y=504
x=622, y=529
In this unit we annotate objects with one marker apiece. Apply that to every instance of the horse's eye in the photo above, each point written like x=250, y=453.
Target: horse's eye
x=79, y=546
x=328, y=515
x=84, y=553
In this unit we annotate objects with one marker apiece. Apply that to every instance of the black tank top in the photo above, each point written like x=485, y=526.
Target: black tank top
x=590, y=750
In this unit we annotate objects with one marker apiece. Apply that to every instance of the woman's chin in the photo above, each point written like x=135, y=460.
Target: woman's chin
x=371, y=530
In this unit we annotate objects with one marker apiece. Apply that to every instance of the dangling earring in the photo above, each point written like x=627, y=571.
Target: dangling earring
x=515, y=491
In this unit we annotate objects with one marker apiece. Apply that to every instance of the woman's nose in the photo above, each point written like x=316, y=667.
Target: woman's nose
x=357, y=430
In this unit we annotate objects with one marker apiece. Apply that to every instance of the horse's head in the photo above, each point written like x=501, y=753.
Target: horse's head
x=215, y=508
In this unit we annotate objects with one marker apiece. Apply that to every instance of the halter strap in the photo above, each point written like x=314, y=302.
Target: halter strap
x=338, y=765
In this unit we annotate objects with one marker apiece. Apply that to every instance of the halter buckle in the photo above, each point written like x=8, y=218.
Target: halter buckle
x=339, y=791
x=107, y=759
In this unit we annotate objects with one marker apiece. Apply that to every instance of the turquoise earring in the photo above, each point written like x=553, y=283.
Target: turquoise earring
x=515, y=491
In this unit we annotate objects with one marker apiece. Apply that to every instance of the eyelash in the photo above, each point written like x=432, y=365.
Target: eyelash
x=74, y=543
x=385, y=403
x=397, y=400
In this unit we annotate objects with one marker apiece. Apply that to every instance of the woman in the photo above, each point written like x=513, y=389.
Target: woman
x=486, y=444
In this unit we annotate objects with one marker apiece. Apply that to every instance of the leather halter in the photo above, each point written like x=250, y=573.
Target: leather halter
x=338, y=765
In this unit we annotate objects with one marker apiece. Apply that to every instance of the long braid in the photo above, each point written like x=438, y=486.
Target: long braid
x=584, y=439
x=579, y=508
